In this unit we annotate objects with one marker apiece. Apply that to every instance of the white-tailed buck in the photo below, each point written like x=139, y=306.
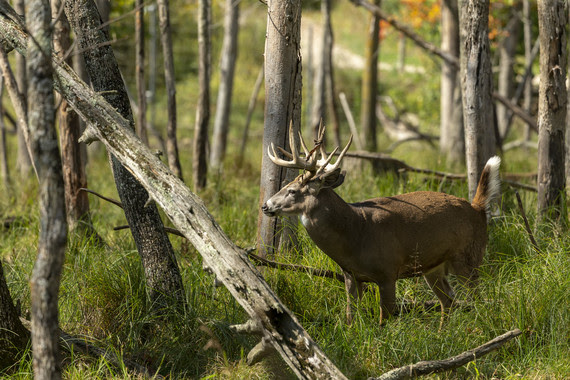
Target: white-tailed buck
x=384, y=239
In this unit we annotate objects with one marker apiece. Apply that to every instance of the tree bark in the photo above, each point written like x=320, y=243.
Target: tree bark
x=552, y=20
x=282, y=107
x=163, y=279
x=46, y=274
x=170, y=82
x=477, y=88
x=370, y=82
x=140, y=125
x=199, y=159
x=227, y=69
x=14, y=336
x=332, y=104
x=73, y=165
x=452, y=139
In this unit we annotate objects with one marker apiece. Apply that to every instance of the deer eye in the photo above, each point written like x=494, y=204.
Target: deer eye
x=291, y=191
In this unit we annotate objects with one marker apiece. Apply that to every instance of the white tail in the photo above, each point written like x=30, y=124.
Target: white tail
x=383, y=239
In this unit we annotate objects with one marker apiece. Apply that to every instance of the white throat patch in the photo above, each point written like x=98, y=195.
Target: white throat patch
x=304, y=220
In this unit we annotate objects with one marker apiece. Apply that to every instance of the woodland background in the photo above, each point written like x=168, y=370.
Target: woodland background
x=113, y=294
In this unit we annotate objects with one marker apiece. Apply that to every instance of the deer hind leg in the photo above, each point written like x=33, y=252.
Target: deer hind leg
x=438, y=283
x=467, y=270
x=353, y=290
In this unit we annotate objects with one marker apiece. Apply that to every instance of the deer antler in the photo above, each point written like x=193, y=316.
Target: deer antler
x=310, y=163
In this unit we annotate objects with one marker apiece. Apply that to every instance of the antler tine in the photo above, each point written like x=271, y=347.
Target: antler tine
x=326, y=167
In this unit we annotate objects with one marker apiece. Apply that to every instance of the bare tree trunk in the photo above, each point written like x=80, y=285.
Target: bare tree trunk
x=329, y=71
x=170, y=82
x=552, y=20
x=227, y=68
x=23, y=164
x=199, y=164
x=282, y=107
x=140, y=124
x=318, y=101
x=163, y=279
x=14, y=336
x=250, y=108
x=506, y=82
x=370, y=83
x=528, y=58
x=73, y=166
x=452, y=138
x=3, y=153
x=477, y=88
x=46, y=274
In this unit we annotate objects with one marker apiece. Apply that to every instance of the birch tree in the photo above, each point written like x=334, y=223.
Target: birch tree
x=477, y=88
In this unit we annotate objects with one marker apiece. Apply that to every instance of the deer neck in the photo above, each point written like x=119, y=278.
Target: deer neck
x=329, y=221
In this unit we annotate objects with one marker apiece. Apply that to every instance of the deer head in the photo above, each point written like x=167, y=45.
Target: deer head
x=318, y=173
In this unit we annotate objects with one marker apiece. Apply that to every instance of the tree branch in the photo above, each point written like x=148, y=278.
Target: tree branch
x=435, y=366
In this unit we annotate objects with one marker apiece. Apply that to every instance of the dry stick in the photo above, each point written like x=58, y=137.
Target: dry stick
x=434, y=366
x=113, y=201
x=18, y=102
x=350, y=119
x=526, y=223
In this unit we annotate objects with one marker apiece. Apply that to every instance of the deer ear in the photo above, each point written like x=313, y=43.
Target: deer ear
x=334, y=179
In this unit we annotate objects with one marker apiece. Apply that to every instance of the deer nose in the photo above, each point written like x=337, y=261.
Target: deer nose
x=266, y=210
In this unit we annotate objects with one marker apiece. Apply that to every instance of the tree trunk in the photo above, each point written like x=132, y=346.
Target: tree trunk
x=163, y=279
x=552, y=20
x=318, y=101
x=46, y=274
x=14, y=336
x=528, y=58
x=282, y=107
x=370, y=83
x=477, y=88
x=188, y=213
x=3, y=152
x=73, y=165
x=170, y=82
x=506, y=82
x=329, y=71
x=199, y=164
x=140, y=124
x=227, y=68
x=24, y=163
x=452, y=138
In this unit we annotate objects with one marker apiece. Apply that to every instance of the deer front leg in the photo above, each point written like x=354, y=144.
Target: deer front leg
x=353, y=290
x=388, y=299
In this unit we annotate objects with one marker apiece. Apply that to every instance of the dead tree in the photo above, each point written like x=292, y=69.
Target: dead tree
x=477, y=88
x=452, y=140
x=3, y=153
x=163, y=279
x=227, y=69
x=46, y=274
x=370, y=82
x=282, y=107
x=170, y=83
x=552, y=101
x=199, y=159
